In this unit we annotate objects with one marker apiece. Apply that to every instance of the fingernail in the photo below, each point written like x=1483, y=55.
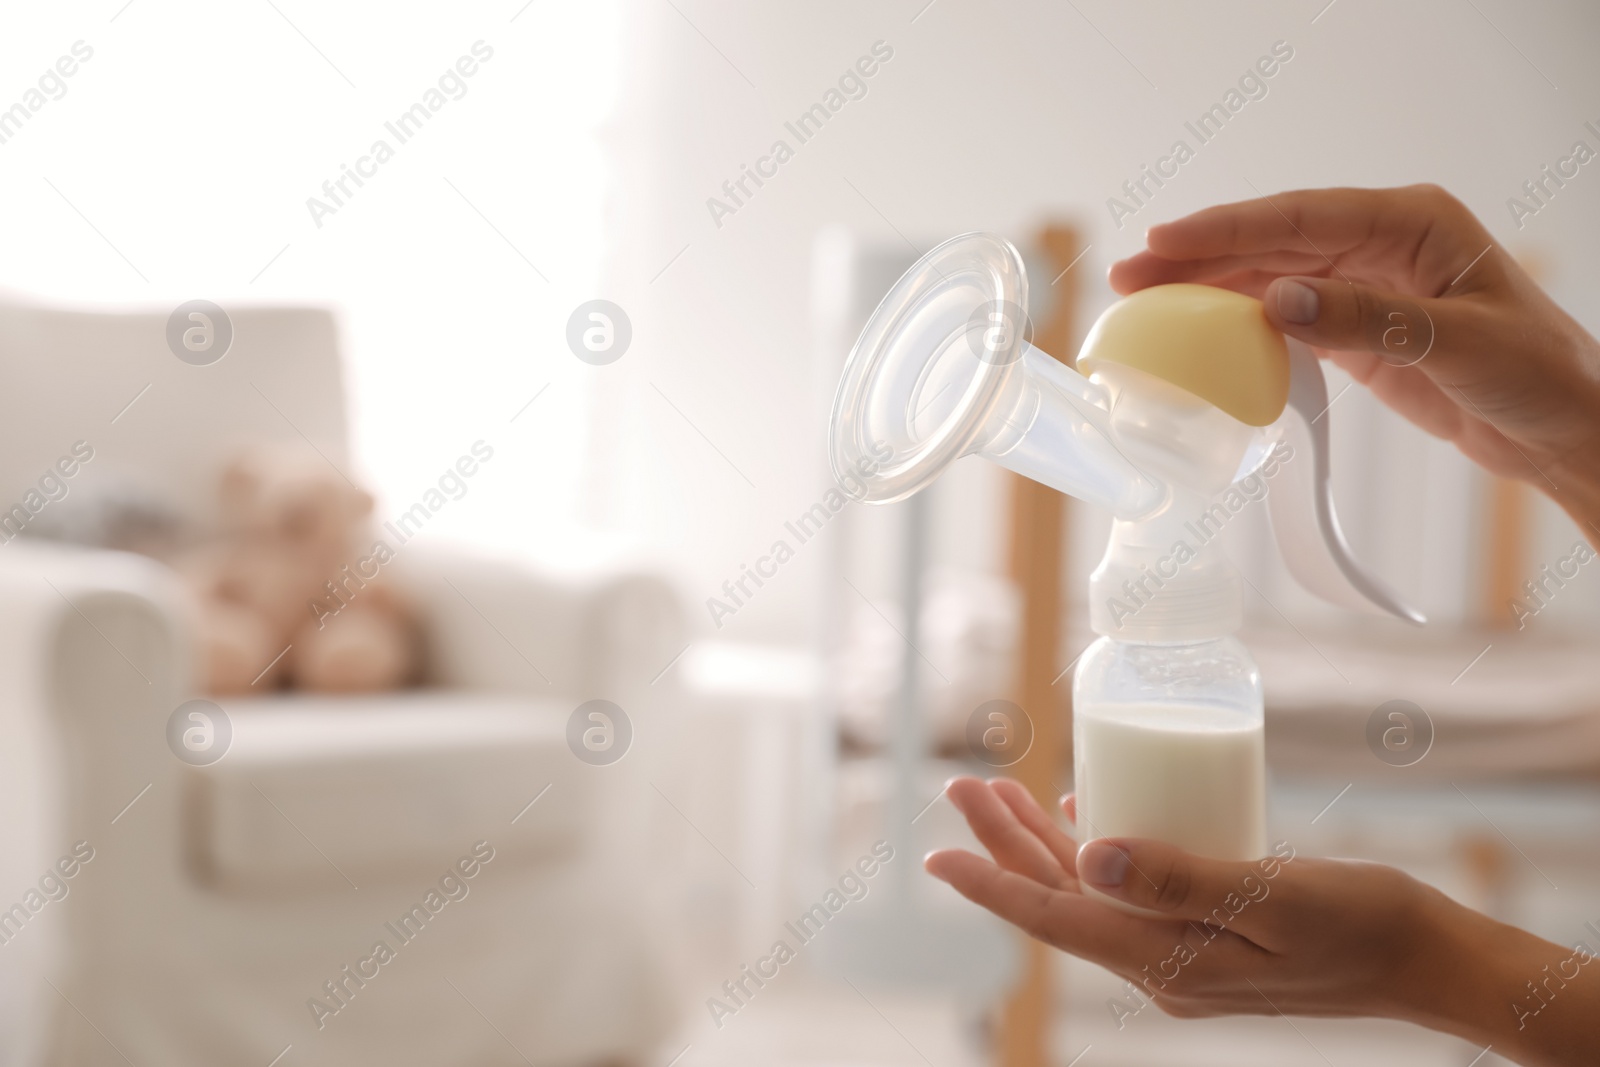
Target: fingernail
x=1297, y=303
x=1103, y=865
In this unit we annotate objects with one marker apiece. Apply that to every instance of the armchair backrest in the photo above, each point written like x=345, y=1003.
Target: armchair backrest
x=158, y=426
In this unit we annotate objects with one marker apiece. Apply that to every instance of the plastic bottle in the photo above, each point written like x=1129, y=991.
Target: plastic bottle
x=1168, y=744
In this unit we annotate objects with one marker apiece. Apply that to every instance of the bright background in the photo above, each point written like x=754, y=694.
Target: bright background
x=586, y=149
x=578, y=166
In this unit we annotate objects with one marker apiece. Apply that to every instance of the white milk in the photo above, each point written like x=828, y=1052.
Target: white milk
x=1187, y=774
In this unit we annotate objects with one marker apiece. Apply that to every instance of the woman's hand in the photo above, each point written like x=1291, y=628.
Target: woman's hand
x=1288, y=934
x=1406, y=290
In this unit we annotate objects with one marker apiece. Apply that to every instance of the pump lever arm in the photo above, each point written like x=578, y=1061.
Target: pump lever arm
x=1301, y=503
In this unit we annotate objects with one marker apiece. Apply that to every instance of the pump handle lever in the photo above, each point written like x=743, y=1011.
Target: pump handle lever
x=1301, y=502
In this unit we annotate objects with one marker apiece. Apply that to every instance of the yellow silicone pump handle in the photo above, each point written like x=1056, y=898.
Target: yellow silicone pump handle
x=1214, y=343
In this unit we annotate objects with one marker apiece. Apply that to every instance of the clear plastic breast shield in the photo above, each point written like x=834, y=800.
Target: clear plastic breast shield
x=942, y=370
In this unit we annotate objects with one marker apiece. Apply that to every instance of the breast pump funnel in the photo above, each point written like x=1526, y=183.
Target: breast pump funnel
x=943, y=370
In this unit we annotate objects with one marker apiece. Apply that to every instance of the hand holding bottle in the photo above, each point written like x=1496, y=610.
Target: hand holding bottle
x=1287, y=934
x=1407, y=291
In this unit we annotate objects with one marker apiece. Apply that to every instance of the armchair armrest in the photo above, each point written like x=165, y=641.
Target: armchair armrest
x=493, y=624
x=97, y=641
x=93, y=659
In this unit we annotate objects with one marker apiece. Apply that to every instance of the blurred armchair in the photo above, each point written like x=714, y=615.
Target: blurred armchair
x=223, y=902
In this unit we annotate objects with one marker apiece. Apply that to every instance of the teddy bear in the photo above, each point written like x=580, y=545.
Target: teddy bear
x=279, y=596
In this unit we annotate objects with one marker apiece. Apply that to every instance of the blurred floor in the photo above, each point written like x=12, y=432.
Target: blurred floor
x=1150, y=1037
x=812, y=1023
x=809, y=1022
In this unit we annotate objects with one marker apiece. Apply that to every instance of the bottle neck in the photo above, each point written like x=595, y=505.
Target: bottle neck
x=1165, y=579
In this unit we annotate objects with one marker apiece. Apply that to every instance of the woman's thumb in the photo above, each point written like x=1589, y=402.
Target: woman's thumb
x=1330, y=313
x=1159, y=877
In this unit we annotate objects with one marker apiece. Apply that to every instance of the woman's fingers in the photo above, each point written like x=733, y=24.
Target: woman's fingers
x=1067, y=920
x=1325, y=222
x=1417, y=240
x=1458, y=345
x=1174, y=883
x=1144, y=269
x=1439, y=337
x=1034, y=819
x=1069, y=807
x=1167, y=958
x=1014, y=846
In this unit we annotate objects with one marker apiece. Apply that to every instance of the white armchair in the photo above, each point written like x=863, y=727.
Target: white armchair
x=221, y=900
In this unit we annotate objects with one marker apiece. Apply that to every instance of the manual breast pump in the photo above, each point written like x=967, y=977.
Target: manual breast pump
x=1191, y=395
